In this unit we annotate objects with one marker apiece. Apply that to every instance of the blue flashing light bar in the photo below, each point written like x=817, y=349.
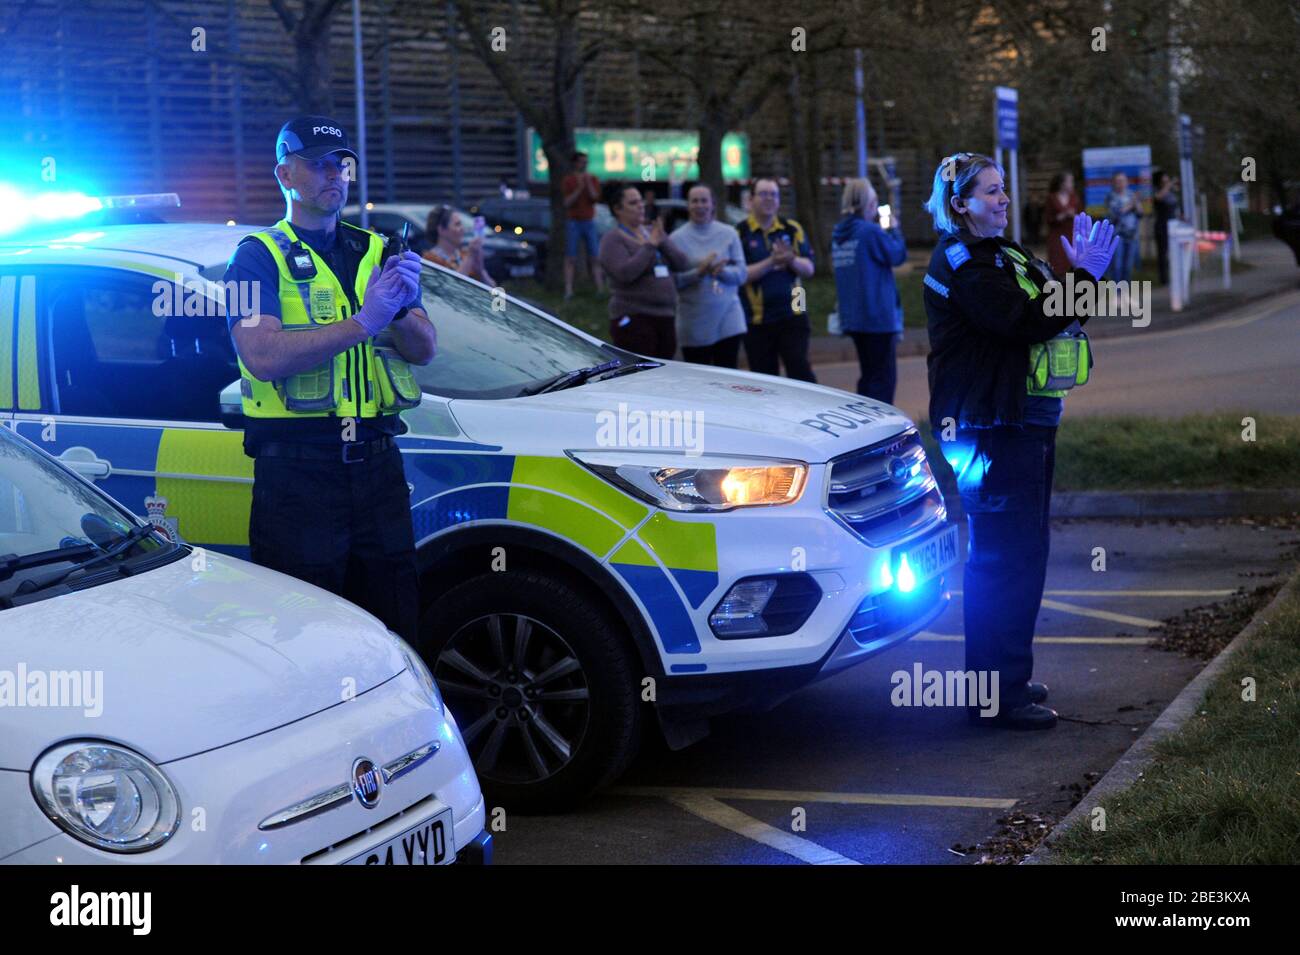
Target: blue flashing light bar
x=19, y=211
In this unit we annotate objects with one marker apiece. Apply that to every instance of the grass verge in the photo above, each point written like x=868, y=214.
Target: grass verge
x=1226, y=788
x=1197, y=452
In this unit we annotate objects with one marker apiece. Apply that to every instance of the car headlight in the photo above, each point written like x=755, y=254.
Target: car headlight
x=419, y=670
x=106, y=796
x=680, y=482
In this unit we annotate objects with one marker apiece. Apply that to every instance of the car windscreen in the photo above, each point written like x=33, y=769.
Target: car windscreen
x=44, y=508
x=490, y=346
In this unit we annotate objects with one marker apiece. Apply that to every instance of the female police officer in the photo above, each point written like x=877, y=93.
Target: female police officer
x=993, y=355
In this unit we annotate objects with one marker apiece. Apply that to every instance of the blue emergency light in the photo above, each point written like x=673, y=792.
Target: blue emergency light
x=19, y=211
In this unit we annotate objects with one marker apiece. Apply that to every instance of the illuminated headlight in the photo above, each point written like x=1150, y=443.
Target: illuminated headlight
x=419, y=670
x=679, y=482
x=106, y=796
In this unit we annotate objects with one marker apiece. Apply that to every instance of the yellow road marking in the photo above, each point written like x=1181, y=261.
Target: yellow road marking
x=720, y=814
x=1132, y=593
x=797, y=796
x=1118, y=641
x=1101, y=614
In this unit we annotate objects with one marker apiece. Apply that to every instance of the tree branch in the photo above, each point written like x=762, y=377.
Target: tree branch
x=285, y=14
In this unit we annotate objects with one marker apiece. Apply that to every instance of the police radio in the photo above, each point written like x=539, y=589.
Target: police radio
x=395, y=244
x=301, y=266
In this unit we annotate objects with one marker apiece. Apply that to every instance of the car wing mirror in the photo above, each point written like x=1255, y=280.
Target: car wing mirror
x=232, y=405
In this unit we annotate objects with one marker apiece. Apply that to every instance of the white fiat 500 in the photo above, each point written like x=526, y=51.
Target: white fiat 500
x=162, y=703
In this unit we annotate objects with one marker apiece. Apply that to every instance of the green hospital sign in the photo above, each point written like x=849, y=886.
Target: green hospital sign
x=651, y=155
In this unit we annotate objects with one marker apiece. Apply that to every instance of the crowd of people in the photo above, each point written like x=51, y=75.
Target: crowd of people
x=712, y=289
x=709, y=286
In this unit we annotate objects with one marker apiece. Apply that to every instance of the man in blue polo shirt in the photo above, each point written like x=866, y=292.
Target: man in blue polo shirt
x=777, y=255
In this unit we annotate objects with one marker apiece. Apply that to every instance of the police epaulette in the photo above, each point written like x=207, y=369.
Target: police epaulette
x=957, y=254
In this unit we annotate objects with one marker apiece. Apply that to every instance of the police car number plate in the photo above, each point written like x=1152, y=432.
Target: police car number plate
x=432, y=842
x=521, y=271
x=932, y=556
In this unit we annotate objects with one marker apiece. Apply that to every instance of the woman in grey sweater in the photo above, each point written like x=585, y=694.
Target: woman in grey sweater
x=639, y=262
x=710, y=320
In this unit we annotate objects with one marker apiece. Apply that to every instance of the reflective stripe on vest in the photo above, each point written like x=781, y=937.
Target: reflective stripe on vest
x=363, y=381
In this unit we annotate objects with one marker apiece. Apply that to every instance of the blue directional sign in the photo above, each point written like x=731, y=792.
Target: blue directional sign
x=1007, y=111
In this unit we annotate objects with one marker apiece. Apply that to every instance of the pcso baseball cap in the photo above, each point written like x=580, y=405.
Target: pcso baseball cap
x=312, y=137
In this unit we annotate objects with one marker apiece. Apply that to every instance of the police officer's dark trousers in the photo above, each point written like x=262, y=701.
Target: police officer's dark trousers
x=1006, y=493
x=345, y=527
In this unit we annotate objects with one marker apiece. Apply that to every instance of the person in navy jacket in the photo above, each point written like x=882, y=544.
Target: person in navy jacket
x=865, y=254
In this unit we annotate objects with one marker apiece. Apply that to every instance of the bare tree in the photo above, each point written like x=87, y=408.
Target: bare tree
x=308, y=27
x=543, y=90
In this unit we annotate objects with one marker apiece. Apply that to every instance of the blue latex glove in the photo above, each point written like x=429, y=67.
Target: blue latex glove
x=387, y=290
x=1094, y=245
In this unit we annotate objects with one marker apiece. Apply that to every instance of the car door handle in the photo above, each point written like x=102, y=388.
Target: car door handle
x=86, y=463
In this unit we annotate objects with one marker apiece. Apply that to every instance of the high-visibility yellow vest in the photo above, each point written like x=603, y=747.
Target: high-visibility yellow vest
x=364, y=381
x=1060, y=363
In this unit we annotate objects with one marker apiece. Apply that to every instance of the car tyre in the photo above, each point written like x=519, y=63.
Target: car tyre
x=543, y=684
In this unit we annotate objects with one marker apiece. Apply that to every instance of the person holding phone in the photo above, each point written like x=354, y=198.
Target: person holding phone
x=447, y=229
x=864, y=255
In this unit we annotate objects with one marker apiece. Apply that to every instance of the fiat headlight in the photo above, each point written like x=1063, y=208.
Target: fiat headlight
x=679, y=482
x=106, y=796
x=419, y=670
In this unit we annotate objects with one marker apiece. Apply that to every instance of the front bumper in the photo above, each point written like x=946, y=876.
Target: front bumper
x=802, y=538
x=226, y=792
x=871, y=630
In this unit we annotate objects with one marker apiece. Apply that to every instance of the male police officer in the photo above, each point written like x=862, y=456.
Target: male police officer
x=324, y=372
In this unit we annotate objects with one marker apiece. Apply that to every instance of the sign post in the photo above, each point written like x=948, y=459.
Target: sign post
x=360, y=79
x=1006, y=135
x=859, y=115
x=1236, y=196
x=1185, y=168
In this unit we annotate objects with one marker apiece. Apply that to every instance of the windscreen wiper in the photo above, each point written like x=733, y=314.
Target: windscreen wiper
x=12, y=563
x=32, y=584
x=576, y=377
x=570, y=378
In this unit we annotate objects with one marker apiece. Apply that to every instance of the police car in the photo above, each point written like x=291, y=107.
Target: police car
x=165, y=704
x=604, y=541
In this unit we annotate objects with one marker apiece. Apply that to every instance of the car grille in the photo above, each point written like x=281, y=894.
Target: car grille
x=880, y=615
x=885, y=492
x=359, y=842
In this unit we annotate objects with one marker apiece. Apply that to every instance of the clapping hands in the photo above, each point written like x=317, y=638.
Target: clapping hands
x=1094, y=245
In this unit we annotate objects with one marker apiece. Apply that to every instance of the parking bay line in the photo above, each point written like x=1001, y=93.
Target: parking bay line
x=928, y=636
x=706, y=803
x=1102, y=614
x=709, y=809
x=1107, y=615
x=797, y=796
x=1130, y=593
